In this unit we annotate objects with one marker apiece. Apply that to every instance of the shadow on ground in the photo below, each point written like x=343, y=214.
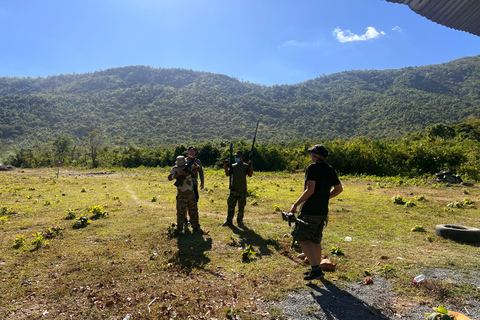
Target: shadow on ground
x=333, y=301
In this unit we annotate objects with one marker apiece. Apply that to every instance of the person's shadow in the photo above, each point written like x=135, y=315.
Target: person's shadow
x=191, y=250
x=340, y=304
x=249, y=237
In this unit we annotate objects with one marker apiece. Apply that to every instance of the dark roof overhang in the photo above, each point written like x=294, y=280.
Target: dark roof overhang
x=461, y=15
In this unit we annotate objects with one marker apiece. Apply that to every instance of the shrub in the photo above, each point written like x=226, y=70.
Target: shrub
x=81, y=222
x=248, y=254
x=418, y=229
x=20, y=241
x=70, y=214
x=39, y=240
x=97, y=212
x=52, y=232
x=337, y=251
x=398, y=200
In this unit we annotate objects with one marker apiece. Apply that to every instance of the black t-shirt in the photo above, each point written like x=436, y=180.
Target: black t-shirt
x=325, y=178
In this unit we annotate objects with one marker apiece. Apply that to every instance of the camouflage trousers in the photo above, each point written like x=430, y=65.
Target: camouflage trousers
x=186, y=202
x=235, y=197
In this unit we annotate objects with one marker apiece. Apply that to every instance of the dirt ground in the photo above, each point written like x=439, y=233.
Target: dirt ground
x=326, y=301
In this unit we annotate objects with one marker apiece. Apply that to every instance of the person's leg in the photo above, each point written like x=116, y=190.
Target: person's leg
x=310, y=250
x=318, y=249
x=193, y=212
x=242, y=202
x=231, y=202
x=181, y=212
x=195, y=190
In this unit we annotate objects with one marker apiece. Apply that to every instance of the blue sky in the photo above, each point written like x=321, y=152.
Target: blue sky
x=267, y=42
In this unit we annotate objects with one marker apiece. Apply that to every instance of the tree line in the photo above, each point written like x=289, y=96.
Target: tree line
x=145, y=105
x=440, y=147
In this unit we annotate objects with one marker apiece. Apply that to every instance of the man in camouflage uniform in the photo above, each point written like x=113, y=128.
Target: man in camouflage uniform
x=185, y=197
x=197, y=170
x=238, y=190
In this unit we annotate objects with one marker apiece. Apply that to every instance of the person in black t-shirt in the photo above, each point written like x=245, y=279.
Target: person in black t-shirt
x=320, y=177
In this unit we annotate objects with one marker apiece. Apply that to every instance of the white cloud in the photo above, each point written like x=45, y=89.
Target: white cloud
x=397, y=28
x=347, y=36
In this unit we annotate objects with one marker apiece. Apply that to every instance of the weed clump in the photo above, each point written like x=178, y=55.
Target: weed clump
x=81, y=222
x=337, y=251
x=20, y=241
x=418, y=229
x=39, y=241
x=248, y=254
x=399, y=200
x=98, y=212
x=70, y=214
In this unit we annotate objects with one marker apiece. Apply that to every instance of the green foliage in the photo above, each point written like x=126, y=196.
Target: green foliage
x=337, y=251
x=98, y=212
x=39, y=240
x=172, y=229
x=248, y=254
x=455, y=205
x=399, y=200
x=20, y=241
x=81, y=222
x=440, y=314
x=8, y=210
x=273, y=242
x=410, y=204
x=3, y=219
x=52, y=232
x=353, y=106
x=418, y=229
x=70, y=214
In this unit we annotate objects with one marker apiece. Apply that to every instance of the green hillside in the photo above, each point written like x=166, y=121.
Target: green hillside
x=148, y=106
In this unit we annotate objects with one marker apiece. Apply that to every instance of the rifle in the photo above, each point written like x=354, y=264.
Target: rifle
x=180, y=180
x=254, y=138
x=290, y=217
x=230, y=167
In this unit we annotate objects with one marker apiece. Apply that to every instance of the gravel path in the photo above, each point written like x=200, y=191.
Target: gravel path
x=324, y=300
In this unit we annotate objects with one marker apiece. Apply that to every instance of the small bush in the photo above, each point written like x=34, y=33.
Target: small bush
x=81, y=222
x=399, y=200
x=420, y=198
x=70, y=214
x=337, y=251
x=53, y=232
x=97, y=212
x=39, y=240
x=20, y=241
x=8, y=211
x=410, y=204
x=248, y=254
x=418, y=229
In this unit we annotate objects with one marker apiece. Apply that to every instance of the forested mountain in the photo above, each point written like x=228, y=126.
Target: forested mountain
x=148, y=106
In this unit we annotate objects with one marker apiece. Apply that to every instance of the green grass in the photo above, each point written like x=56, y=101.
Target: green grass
x=126, y=263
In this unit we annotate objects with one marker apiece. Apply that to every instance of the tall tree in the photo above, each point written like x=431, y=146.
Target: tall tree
x=93, y=142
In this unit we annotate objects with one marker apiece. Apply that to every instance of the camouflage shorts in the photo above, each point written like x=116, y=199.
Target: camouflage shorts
x=312, y=231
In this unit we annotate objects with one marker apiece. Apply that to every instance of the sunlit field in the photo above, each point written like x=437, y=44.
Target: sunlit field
x=99, y=244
